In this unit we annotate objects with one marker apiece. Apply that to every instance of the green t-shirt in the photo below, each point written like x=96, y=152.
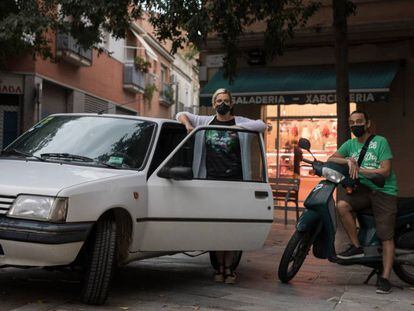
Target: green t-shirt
x=378, y=150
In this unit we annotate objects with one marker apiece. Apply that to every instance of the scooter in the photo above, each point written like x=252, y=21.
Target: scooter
x=317, y=226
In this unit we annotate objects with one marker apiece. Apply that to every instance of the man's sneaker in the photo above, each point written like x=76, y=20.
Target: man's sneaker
x=352, y=252
x=384, y=286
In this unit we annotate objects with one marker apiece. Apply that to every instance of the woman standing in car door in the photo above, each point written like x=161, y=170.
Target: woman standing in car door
x=223, y=156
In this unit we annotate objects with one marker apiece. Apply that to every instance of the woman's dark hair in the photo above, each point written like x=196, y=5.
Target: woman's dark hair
x=361, y=112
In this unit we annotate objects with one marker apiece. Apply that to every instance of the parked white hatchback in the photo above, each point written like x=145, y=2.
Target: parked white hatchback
x=103, y=190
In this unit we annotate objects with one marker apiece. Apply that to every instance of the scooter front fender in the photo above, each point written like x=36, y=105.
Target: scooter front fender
x=308, y=221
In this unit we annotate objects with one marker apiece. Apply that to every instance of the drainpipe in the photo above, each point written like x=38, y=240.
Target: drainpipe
x=38, y=101
x=176, y=97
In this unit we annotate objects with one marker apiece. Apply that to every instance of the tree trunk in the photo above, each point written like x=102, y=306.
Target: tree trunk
x=341, y=65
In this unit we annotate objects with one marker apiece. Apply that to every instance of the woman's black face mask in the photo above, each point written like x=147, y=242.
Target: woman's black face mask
x=223, y=109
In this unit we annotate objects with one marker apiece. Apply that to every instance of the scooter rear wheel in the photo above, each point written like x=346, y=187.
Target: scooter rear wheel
x=294, y=255
x=404, y=272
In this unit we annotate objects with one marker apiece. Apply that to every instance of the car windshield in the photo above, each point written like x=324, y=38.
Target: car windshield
x=95, y=140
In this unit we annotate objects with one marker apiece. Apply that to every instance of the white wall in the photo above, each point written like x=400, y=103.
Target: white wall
x=187, y=82
x=117, y=47
x=114, y=46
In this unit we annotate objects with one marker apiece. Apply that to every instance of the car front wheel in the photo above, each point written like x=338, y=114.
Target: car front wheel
x=100, y=262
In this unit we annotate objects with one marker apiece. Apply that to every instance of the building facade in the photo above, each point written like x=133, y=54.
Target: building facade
x=295, y=93
x=185, y=82
x=131, y=76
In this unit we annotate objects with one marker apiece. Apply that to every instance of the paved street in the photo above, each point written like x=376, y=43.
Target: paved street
x=183, y=283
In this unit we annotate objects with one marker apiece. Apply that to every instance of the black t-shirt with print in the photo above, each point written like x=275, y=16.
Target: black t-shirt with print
x=223, y=155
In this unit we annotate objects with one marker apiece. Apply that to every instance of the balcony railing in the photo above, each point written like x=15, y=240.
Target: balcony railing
x=167, y=95
x=69, y=50
x=134, y=79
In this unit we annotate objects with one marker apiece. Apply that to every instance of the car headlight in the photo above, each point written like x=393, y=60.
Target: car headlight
x=41, y=208
x=332, y=175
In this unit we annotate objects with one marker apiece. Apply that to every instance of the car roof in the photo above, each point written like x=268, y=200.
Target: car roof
x=119, y=116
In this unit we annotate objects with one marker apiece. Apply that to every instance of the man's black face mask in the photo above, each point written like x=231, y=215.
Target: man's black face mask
x=358, y=130
x=222, y=109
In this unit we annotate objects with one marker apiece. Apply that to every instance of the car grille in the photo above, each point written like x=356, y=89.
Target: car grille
x=5, y=203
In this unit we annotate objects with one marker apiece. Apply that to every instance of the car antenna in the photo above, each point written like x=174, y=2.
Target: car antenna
x=106, y=109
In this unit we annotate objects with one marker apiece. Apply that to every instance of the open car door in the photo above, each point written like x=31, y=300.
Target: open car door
x=188, y=210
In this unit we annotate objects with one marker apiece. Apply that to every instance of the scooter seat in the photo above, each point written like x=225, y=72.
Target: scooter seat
x=405, y=206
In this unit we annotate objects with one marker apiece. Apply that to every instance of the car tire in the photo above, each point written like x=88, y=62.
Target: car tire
x=234, y=264
x=100, y=262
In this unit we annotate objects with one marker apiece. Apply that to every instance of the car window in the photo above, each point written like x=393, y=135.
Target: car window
x=170, y=136
x=222, y=154
x=120, y=142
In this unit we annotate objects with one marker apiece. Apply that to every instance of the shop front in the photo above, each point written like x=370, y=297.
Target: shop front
x=11, y=94
x=300, y=102
x=288, y=123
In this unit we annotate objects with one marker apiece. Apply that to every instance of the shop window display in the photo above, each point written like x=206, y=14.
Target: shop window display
x=322, y=134
x=318, y=123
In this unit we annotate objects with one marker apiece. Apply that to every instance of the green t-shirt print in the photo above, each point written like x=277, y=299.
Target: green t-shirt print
x=378, y=150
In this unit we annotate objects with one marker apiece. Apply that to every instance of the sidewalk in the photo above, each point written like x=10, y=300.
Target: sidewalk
x=183, y=283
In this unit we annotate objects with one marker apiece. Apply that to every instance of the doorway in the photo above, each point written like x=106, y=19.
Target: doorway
x=10, y=127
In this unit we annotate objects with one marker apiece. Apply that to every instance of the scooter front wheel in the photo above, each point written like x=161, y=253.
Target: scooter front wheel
x=294, y=255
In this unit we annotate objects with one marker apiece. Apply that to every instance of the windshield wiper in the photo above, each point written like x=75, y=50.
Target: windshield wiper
x=76, y=157
x=19, y=152
x=67, y=156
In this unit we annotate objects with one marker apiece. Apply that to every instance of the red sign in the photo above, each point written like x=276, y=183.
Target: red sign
x=11, y=84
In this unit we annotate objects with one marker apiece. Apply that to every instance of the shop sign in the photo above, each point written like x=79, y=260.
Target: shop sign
x=356, y=97
x=259, y=100
x=11, y=84
x=311, y=98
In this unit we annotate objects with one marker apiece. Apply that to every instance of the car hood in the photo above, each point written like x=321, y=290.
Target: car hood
x=45, y=178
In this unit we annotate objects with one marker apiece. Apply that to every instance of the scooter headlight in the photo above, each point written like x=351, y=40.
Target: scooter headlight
x=332, y=175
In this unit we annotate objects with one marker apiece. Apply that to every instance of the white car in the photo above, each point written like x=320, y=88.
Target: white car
x=103, y=190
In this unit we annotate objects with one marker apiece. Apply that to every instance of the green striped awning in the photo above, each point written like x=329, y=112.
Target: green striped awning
x=369, y=82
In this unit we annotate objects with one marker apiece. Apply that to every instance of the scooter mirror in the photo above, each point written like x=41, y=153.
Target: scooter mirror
x=304, y=144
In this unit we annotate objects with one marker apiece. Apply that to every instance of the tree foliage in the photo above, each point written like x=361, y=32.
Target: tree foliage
x=24, y=24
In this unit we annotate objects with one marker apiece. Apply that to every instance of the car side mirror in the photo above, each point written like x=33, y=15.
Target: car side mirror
x=176, y=173
x=304, y=144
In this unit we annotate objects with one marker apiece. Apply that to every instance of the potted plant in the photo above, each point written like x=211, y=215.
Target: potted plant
x=169, y=94
x=142, y=64
x=149, y=92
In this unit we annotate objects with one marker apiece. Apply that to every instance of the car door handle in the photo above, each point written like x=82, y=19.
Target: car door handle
x=261, y=194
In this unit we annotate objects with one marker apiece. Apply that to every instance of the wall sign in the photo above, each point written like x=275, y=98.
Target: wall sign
x=214, y=61
x=310, y=98
x=11, y=84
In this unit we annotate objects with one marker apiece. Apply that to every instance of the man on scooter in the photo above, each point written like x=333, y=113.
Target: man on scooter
x=383, y=201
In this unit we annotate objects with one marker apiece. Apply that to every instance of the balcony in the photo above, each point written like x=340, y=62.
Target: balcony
x=134, y=79
x=167, y=95
x=68, y=50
